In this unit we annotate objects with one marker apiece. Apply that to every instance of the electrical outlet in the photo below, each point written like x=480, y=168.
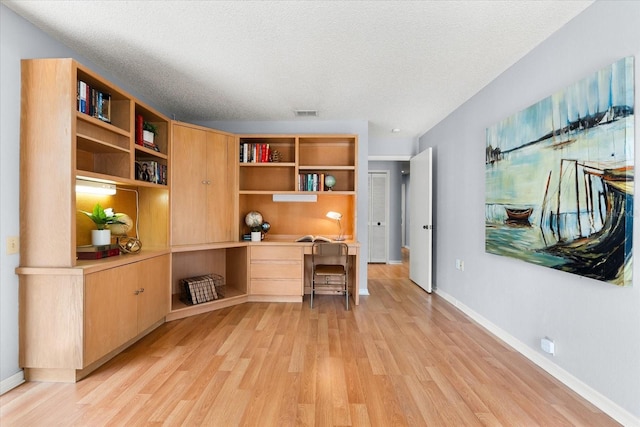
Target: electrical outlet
x=13, y=245
x=459, y=265
x=547, y=345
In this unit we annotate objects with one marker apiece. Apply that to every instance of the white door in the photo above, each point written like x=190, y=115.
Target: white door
x=420, y=220
x=378, y=214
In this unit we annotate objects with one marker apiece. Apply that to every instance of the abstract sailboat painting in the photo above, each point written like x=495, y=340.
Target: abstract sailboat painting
x=559, y=179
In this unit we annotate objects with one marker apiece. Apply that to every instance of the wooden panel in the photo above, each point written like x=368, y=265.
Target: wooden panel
x=196, y=263
x=267, y=178
x=154, y=217
x=276, y=270
x=111, y=307
x=47, y=159
x=276, y=287
x=51, y=317
x=259, y=252
x=153, y=302
x=189, y=189
x=337, y=151
x=299, y=219
x=220, y=190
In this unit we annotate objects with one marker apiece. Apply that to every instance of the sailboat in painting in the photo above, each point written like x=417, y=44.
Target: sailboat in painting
x=564, y=168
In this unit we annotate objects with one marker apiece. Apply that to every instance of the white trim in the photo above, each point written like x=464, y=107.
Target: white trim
x=389, y=158
x=605, y=404
x=364, y=292
x=395, y=262
x=12, y=382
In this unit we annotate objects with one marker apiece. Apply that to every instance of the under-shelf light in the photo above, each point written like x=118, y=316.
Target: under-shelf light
x=94, y=187
x=308, y=198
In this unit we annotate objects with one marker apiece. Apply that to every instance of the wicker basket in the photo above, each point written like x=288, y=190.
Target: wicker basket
x=199, y=289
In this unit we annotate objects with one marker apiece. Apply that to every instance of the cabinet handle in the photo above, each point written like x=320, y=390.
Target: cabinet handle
x=206, y=182
x=138, y=291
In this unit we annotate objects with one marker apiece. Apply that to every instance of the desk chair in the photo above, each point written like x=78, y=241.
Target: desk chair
x=330, y=268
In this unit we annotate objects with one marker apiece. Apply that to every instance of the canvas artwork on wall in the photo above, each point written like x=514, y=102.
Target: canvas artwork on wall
x=559, y=179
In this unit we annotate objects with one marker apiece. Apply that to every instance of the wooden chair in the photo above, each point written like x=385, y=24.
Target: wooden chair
x=330, y=269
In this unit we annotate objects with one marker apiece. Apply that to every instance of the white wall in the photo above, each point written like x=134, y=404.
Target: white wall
x=595, y=325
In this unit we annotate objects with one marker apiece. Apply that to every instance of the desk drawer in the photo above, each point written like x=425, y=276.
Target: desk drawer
x=276, y=287
x=275, y=252
x=277, y=270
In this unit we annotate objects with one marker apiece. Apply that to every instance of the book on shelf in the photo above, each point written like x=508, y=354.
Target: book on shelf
x=254, y=153
x=151, y=171
x=98, y=254
x=311, y=238
x=94, y=102
x=96, y=248
x=311, y=182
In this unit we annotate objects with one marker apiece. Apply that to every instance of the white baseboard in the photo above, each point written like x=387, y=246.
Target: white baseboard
x=364, y=292
x=12, y=382
x=395, y=262
x=605, y=404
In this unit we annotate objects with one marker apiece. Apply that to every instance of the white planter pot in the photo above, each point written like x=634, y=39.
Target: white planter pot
x=100, y=237
x=147, y=136
x=256, y=236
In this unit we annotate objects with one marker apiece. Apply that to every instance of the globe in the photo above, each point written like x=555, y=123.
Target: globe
x=329, y=181
x=266, y=227
x=253, y=219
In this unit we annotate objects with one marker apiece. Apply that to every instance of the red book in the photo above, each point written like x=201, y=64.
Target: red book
x=98, y=254
x=139, y=123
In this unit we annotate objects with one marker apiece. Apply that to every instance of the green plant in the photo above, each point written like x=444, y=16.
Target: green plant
x=150, y=127
x=103, y=217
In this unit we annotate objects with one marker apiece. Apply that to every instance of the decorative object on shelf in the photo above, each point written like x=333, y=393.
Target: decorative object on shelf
x=100, y=237
x=149, y=132
x=129, y=245
x=337, y=216
x=254, y=221
x=266, y=227
x=102, y=219
x=274, y=156
x=329, y=182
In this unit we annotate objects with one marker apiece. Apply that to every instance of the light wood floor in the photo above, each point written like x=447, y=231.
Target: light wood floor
x=401, y=358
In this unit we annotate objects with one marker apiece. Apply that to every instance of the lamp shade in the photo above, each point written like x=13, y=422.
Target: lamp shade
x=334, y=215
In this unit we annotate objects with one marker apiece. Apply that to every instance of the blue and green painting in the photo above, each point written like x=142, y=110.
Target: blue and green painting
x=559, y=179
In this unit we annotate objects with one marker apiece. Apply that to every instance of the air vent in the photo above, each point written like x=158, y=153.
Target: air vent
x=306, y=113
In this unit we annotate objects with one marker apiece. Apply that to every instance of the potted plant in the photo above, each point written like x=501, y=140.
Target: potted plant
x=149, y=132
x=102, y=218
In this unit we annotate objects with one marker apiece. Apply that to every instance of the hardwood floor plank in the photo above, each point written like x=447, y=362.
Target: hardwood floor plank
x=402, y=357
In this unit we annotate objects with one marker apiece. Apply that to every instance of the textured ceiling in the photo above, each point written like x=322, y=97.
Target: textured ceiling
x=398, y=64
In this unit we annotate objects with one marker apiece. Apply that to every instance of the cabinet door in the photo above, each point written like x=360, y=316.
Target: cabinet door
x=110, y=311
x=222, y=188
x=189, y=188
x=153, y=303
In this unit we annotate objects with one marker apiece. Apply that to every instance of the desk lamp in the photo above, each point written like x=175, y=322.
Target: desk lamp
x=337, y=216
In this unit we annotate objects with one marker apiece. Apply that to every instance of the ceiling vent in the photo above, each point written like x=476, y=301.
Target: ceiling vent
x=306, y=113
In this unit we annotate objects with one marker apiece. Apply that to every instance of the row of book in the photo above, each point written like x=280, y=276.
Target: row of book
x=311, y=182
x=94, y=102
x=151, y=171
x=254, y=153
